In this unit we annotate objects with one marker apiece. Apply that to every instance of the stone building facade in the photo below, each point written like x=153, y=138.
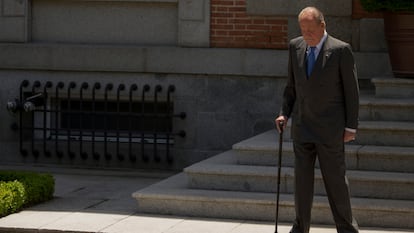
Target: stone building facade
x=226, y=59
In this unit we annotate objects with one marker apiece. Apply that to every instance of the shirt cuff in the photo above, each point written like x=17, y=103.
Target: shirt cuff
x=350, y=130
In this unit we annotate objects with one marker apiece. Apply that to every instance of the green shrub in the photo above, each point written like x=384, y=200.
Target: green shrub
x=12, y=197
x=22, y=189
x=388, y=5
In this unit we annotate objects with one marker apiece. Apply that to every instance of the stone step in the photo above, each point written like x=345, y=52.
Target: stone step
x=222, y=173
x=383, y=109
x=262, y=150
x=241, y=183
x=172, y=197
x=380, y=133
x=386, y=133
x=391, y=87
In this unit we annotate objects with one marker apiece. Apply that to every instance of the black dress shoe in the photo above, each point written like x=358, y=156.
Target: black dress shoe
x=295, y=229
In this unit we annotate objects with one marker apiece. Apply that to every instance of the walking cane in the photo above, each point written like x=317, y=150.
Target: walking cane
x=278, y=172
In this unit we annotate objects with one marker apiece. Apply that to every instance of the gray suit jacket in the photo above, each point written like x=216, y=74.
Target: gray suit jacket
x=327, y=102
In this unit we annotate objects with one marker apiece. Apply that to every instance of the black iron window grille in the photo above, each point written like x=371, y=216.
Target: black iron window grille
x=97, y=120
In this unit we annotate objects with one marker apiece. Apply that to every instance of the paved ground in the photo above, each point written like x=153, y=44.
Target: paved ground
x=96, y=201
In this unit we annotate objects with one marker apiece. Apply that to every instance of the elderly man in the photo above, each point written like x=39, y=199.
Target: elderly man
x=322, y=98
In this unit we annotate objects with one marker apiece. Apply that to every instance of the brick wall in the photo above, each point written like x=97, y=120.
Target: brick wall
x=232, y=27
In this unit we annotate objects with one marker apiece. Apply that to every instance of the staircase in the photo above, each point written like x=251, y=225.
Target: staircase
x=241, y=183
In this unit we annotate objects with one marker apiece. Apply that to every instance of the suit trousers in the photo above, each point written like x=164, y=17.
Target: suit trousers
x=331, y=159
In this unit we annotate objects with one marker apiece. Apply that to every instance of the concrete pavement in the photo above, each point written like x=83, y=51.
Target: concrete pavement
x=100, y=201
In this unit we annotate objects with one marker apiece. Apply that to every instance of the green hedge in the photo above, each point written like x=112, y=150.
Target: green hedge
x=388, y=5
x=23, y=189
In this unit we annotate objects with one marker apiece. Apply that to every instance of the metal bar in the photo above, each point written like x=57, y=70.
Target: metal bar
x=132, y=88
x=59, y=153
x=181, y=115
x=107, y=155
x=158, y=88
x=35, y=152
x=171, y=89
x=118, y=101
x=71, y=154
x=23, y=85
x=48, y=85
x=96, y=86
x=123, y=114
x=83, y=154
x=144, y=90
x=181, y=133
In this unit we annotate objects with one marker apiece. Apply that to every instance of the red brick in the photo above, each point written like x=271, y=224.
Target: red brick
x=240, y=27
x=223, y=15
x=240, y=21
x=222, y=27
x=220, y=38
x=222, y=9
x=258, y=27
x=237, y=9
x=238, y=33
x=222, y=2
x=240, y=3
x=278, y=28
x=221, y=33
x=240, y=14
x=276, y=21
x=221, y=21
x=231, y=27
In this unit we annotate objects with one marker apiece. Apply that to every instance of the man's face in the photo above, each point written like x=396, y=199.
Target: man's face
x=312, y=30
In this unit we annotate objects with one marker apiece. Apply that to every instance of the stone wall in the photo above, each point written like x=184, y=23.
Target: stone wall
x=14, y=20
x=229, y=94
x=185, y=23
x=220, y=111
x=135, y=22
